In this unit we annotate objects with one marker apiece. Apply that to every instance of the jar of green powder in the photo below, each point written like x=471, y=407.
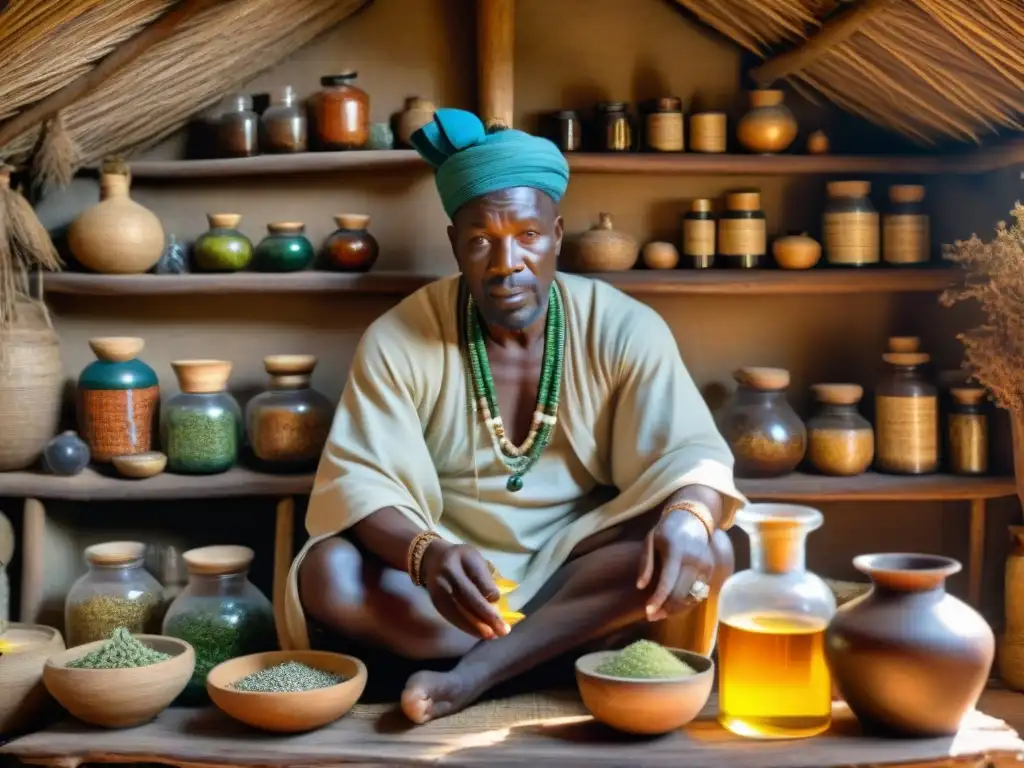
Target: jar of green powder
x=220, y=612
x=116, y=591
x=201, y=428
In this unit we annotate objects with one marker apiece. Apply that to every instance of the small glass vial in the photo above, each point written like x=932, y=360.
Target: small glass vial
x=742, y=231
x=567, y=131
x=284, y=124
x=237, y=132
x=699, y=235
x=614, y=127
x=968, y=432
x=851, y=225
x=341, y=113
x=773, y=677
x=906, y=413
x=840, y=441
x=663, y=129
x=905, y=227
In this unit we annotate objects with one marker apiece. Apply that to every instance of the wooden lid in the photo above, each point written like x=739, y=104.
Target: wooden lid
x=747, y=200
x=849, y=188
x=701, y=205
x=968, y=395
x=218, y=560
x=766, y=97
x=286, y=228
x=115, y=552
x=289, y=365
x=202, y=376
x=765, y=379
x=224, y=220
x=117, y=349
x=904, y=344
x=352, y=220
x=906, y=193
x=906, y=359
x=838, y=394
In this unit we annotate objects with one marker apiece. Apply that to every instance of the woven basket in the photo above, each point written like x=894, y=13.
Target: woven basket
x=31, y=384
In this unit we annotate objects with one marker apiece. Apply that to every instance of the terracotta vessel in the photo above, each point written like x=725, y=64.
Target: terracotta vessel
x=909, y=659
x=117, y=236
x=818, y=143
x=660, y=255
x=602, y=249
x=351, y=248
x=222, y=248
x=797, y=250
x=417, y=113
x=24, y=696
x=769, y=126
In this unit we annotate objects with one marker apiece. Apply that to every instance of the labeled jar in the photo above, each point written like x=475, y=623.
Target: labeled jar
x=567, y=131
x=288, y=424
x=968, y=432
x=840, y=441
x=699, y=234
x=906, y=412
x=614, y=128
x=238, y=128
x=116, y=591
x=905, y=227
x=283, y=124
x=765, y=434
x=341, y=113
x=707, y=132
x=742, y=230
x=851, y=224
x=663, y=125
x=201, y=427
x=219, y=612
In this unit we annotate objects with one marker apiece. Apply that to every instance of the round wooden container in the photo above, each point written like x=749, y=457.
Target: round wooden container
x=707, y=132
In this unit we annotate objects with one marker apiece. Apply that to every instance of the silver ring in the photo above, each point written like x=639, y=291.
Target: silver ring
x=700, y=590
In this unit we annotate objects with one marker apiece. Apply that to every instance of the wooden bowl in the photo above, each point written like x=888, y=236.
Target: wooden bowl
x=140, y=465
x=287, y=712
x=645, y=707
x=120, y=698
x=21, y=674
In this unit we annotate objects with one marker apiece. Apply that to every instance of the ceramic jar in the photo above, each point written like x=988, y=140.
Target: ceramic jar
x=906, y=231
x=341, y=113
x=288, y=424
x=117, y=236
x=417, y=113
x=350, y=248
x=285, y=248
x=67, y=454
x=222, y=248
x=797, y=250
x=765, y=434
x=769, y=127
x=839, y=440
x=909, y=658
x=660, y=255
x=118, y=399
x=201, y=427
x=850, y=225
x=602, y=249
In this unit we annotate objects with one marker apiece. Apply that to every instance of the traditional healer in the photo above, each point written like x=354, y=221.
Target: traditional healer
x=511, y=422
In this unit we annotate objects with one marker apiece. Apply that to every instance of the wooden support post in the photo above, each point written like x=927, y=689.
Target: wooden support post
x=976, y=554
x=284, y=532
x=33, y=547
x=495, y=40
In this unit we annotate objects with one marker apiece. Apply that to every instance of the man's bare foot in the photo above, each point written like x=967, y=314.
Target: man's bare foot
x=429, y=695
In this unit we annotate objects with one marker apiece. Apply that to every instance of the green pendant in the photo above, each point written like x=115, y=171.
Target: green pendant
x=515, y=484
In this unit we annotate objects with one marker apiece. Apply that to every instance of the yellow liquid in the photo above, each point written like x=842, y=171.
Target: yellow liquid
x=773, y=680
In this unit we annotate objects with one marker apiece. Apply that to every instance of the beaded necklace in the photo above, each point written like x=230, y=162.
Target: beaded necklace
x=519, y=459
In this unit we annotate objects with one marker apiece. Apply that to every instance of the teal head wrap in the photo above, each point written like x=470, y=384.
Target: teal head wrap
x=471, y=162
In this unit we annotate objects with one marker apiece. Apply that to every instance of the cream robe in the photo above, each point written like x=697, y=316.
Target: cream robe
x=406, y=435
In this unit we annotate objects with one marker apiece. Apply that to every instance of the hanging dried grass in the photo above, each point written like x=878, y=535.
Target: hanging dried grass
x=212, y=54
x=759, y=26
x=55, y=160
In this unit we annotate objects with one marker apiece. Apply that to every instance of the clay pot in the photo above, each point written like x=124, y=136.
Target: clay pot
x=769, y=126
x=817, y=143
x=602, y=249
x=660, y=255
x=417, y=113
x=351, y=248
x=117, y=236
x=797, y=250
x=909, y=659
x=222, y=248
x=284, y=249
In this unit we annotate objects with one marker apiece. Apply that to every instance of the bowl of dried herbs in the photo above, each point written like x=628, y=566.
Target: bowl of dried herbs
x=120, y=682
x=645, y=688
x=287, y=691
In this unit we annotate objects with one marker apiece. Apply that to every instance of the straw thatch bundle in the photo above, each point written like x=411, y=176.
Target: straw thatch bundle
x=928, y=69
x=208, y=56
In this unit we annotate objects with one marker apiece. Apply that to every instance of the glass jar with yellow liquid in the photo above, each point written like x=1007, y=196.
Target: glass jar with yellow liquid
x=774, y=682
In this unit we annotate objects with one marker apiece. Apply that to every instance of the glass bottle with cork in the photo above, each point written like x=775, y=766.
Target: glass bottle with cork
x=906, y=412
x=774, y=681
x=906, y=238
x=699, y=234
x=968, y=432
x=742, y=232
x=851, y=225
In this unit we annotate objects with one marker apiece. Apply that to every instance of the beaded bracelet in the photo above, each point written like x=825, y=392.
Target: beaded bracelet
x=698, y=510
x=417, y=549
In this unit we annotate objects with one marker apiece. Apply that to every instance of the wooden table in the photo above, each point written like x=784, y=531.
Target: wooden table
x=538, y=729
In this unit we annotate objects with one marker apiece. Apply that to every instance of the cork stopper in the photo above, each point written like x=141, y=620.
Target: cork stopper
x=763, y=379
x=968, y=395
x=748, y=200
x=289, y=371
x=849, y=188
x=906, y=193
x=116, y=349
x=224, y=220
x=778, y=534
x=202, y=376
x=904, y=352
x=354, y=221
x=838, y=394
x=115, y=553
x=286, y=228
x=701, y=205
x=904, y=344
x=766, y=97
x=218, y=560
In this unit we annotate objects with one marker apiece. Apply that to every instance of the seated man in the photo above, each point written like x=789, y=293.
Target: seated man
x=510, y=418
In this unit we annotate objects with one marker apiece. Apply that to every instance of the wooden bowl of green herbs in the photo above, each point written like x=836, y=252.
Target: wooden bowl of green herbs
x=287, y=691
x=645, y=689
x=120, y=682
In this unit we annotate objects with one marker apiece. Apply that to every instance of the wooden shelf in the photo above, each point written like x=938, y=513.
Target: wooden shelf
x=634, y=282
x=279, y=165
x=93, y=486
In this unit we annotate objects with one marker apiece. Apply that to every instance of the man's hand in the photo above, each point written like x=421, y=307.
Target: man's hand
x=678, y=552
x=460, y=585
